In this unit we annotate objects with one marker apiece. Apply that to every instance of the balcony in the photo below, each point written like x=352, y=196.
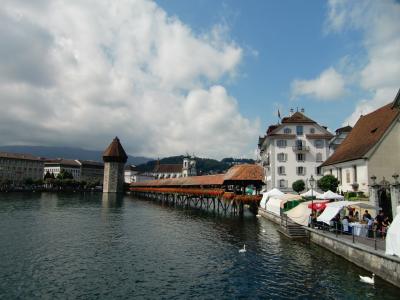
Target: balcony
x=301, y=149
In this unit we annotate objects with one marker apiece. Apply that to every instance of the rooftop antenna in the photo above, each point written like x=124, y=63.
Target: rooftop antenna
x=302, y=110
x=291, y=111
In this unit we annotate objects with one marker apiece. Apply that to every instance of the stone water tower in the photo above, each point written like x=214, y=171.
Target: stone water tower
x=114, y=158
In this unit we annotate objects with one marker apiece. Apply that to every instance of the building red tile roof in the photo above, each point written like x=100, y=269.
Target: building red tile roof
x=245, y=172
x=168, y=168
x=115, y=152
x=367, y=132
x=298, y=117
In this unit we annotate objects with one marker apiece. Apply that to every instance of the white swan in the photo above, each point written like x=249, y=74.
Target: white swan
x=243, y=250
x=366, y=279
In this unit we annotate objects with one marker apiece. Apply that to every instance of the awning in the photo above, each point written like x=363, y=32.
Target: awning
x=332, y=209
x=267, y=195
x=311, y=193
x=330, y=195
x=274, y=206
x=301, y=213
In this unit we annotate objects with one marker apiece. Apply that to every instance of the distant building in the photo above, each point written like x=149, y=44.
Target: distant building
x=293, y=150
x=371, y=149
x=186, y=169
x=18, y=167
x=340, y=135
x=55, y=166
x=132, y=174
x=91, y=171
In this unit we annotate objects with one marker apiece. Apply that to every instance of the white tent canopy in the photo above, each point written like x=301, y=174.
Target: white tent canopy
x=311, y=193
x=333, y=208
x=330, y=195
x=267, y=195
x=301, y=213
x=275, y=203
x=393, y=236
x=274, y=206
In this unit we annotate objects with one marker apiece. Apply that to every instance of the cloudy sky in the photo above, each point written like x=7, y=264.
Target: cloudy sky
x=176, y=76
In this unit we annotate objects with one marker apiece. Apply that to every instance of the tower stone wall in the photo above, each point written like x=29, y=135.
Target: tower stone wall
x=113, y=177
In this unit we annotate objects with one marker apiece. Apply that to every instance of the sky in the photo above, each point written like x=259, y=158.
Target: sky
x=204, y=77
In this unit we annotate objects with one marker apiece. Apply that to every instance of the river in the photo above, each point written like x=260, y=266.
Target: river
x=89, y=246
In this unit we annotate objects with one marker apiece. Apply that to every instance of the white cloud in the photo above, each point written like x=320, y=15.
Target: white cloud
x=329, y=85
x=80, y=72
x=379, y=23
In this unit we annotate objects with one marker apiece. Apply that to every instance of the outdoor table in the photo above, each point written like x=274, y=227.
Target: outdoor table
x=359, y=229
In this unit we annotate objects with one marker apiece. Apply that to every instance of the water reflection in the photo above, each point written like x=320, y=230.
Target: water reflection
x=105, y=246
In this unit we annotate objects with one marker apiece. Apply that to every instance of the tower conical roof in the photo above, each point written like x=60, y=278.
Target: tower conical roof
x=115, y=152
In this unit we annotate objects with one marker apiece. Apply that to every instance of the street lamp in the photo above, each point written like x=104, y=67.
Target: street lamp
x=312, y=184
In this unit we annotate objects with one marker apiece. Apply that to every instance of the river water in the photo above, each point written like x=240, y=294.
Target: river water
x=84, y=246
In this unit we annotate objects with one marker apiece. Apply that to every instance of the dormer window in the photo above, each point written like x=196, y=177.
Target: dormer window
x=287, y=131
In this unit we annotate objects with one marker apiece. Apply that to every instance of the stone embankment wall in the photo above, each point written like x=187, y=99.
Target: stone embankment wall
x=386, y=267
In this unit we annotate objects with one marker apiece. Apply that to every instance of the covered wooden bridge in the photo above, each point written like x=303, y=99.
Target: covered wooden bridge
x=222, y=193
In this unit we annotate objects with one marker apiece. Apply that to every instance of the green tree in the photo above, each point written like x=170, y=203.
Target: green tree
x=328, y=182
x=298, y=185
x=28, y=181
x=64, y=175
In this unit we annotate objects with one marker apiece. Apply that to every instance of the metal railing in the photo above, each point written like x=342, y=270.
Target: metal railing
x=371, y=237
x=299, y=148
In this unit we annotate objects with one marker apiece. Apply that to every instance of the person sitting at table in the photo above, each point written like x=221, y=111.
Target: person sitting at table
x=345, y=224
x=378, y=221
x=336, y=223
x=385, y=225
x=366, y=216
x=370, y=224
x=356, y=217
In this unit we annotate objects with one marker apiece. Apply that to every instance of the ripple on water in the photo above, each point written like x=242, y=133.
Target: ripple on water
x=83, y=247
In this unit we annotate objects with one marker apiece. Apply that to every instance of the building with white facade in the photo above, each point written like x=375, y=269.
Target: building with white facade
x=186, y=169
x=340, y=135
x=54, y=166
x=371, y=150
x=132, y=174
x=16, y=167
x=293, y=150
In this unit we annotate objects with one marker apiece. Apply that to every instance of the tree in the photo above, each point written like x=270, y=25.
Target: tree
x=328, y=182
x=48, y=175
x=298, y=185
x=64, y=175
x=28, y=181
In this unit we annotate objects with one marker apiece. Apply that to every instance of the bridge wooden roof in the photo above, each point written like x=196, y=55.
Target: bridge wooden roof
x=238, y=173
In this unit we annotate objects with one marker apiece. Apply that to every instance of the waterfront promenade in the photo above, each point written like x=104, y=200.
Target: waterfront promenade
x=362, y=252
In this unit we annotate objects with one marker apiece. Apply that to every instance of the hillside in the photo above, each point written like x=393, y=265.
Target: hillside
x=204, y=165
x=67, y=152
